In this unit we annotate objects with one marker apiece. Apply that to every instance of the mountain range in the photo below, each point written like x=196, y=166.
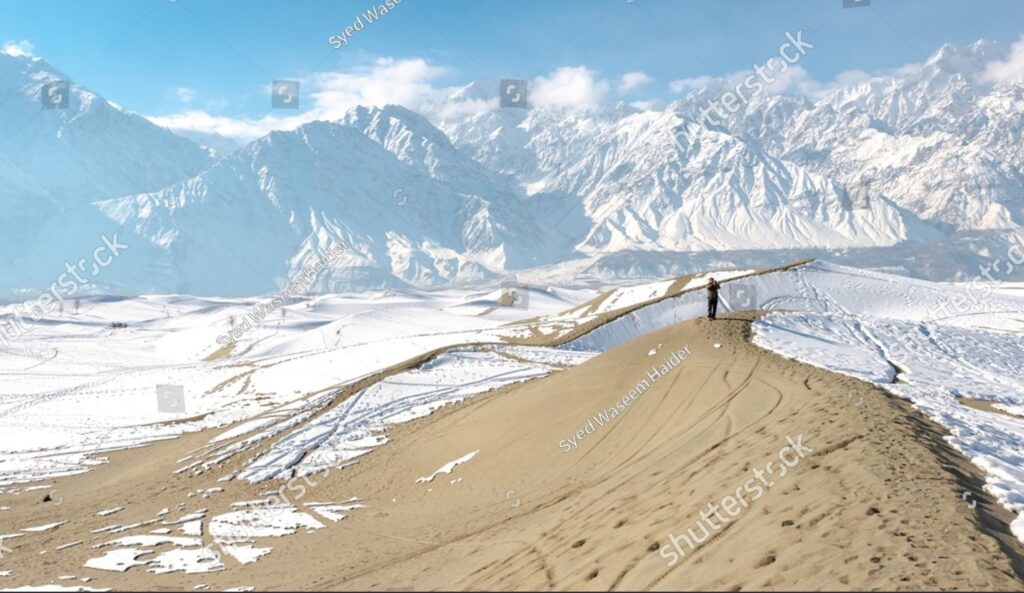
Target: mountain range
x=919, y=171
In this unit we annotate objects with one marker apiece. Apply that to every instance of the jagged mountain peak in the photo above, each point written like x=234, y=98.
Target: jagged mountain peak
x=54, y=163
x=964, y=59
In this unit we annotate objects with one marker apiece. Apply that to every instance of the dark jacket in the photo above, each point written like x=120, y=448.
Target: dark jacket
x=712, y=290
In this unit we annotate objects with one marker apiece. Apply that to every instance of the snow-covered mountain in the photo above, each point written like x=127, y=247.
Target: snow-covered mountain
x=646, y=180
x=385, y=183
x=89, y=149
x=54, y=163
x=659, y=182
x=928, y=155
x=918, y=170
x=936, y=139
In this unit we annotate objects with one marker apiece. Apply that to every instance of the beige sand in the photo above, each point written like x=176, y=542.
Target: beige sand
x=877, y=504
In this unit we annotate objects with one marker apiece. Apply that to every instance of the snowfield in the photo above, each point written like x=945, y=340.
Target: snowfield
x=74, y=386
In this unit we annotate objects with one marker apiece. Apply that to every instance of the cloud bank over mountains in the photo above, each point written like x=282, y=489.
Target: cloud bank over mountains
x=416, y=83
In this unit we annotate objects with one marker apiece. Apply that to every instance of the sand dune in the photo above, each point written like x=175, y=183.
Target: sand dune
x=877, y=503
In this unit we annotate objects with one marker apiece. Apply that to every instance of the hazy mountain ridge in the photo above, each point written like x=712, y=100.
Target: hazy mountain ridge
x=54, y=163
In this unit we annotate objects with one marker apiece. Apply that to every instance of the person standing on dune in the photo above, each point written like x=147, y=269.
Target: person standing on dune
x=712, y=291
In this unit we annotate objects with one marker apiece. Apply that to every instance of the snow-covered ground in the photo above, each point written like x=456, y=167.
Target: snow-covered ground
x=73, y=385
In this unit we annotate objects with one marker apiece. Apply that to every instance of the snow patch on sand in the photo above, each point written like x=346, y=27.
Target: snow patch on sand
x=269, y=521
x=187, y=556
x=47, y=527
x=333, y=511
x=448, y=467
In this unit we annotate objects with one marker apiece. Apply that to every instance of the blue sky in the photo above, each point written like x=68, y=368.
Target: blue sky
x=218, y=57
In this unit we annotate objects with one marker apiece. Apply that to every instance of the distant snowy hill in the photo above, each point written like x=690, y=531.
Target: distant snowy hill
x=919, y=172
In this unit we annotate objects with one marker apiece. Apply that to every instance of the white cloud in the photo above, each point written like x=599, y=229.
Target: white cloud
x=795, y=79
x=453, y=109
x=411, y=82
x=17, y=49
x=329, y=96
x=1007, y=71
x=911, y=70
x=633, y=80
x=185, y=94
x=851, y=78
x=217, y=104
x=652, y=105
x=569, y=86
x=238, y=128
x=684, y=85
x=408, y=82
